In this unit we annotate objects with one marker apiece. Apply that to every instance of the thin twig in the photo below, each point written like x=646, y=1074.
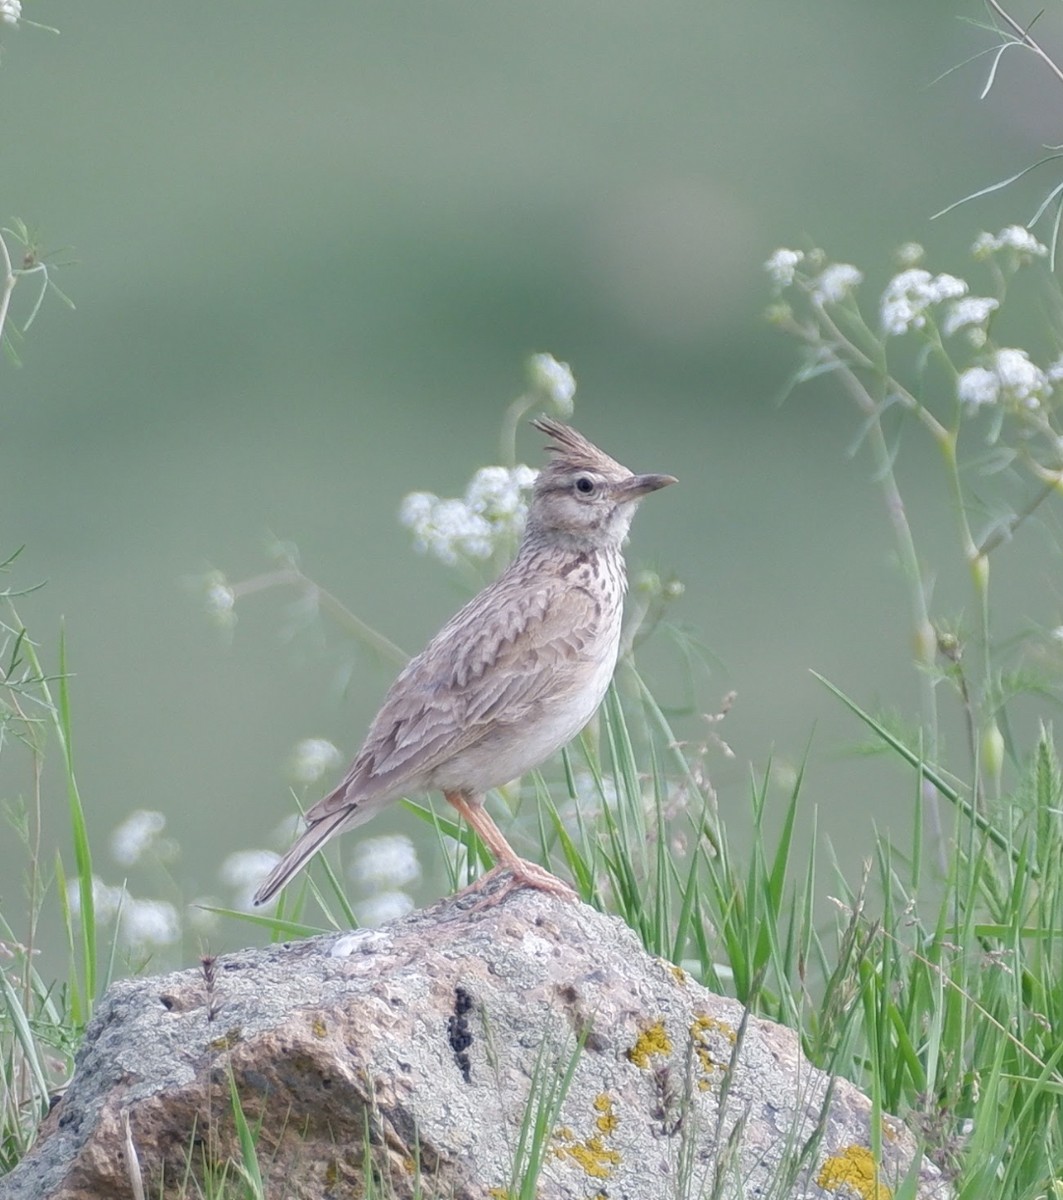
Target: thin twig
x=1004, y=532
x=1026, y=38
x=292, y=576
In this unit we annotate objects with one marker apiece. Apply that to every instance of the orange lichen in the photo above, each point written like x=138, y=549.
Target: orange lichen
x=854, y=1168
x=652, y=1042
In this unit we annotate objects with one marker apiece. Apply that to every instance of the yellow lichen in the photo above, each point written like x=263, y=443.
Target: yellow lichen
x=607, y=1119
x=591, y=1155
x=230, y=1038
x=318, y=1028
x=595, y=1159
x=854, y=1168
x=678, y=972
x=652, y=1042
x=498, y=1193
x=700, y=1032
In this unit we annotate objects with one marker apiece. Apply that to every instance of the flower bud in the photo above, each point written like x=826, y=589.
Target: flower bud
x=992, y=754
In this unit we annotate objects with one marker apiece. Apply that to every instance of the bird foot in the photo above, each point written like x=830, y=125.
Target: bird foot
x=509, y=876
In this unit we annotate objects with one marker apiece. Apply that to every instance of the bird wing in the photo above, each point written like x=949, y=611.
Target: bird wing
x=509, y=651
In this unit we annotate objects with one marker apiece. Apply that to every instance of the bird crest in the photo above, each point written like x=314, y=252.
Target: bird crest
x=573, y=452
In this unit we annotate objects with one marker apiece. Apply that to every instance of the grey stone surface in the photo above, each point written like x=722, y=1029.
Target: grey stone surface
x=419, y=1048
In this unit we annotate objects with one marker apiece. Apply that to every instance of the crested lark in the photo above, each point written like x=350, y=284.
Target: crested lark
x=514, y=676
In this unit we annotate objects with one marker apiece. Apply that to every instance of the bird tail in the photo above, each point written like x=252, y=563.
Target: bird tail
x=301, y=853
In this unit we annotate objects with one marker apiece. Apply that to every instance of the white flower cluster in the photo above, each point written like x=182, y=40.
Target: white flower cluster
x=312, y=758
x=492, y=511
x=10, y=11
x=389, y=861
x=1009, y=378
x=141, y=923
x=782, y=265
x=554, y=380
x=138, y=834
x=383, y=907
x=908, y=295
x=147, y=923
x=909, y=254
x=384, y=866
x=972, y=314
x=1016, y=238
x=834, y=283
x=243, y=871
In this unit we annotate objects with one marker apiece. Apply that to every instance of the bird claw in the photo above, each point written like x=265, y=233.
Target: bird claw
x=495, y=885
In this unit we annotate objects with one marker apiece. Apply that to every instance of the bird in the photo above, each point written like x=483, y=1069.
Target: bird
x=512, y=677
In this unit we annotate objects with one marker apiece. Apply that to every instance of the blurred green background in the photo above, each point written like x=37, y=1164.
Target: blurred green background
x=315, y=244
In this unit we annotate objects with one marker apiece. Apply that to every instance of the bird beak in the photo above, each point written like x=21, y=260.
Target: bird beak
x=641, y=485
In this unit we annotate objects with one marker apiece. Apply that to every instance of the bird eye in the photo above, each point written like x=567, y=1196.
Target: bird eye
x=584, y=485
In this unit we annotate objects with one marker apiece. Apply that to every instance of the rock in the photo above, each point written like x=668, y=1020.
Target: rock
x=424, y=1051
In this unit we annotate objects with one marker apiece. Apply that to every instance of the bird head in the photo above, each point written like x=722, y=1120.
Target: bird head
x=583, y=494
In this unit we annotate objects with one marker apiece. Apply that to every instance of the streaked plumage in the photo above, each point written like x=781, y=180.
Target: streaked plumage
x=514, y=675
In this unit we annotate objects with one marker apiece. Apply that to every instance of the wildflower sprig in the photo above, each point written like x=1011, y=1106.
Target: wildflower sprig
x=487, y=522
x=926, y=347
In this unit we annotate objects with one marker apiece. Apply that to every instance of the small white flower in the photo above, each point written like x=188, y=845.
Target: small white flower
x=834, y=283
x=312, y=758
x=244, y=867
x=782, y=265
x=967, y=312
x=145, y=923
x=498, y=494
x=910, y=254
x=388, y=861
x=243, y=871
x=1010, y=378
x=199, y=917
x=106, y=900
x=219, y=600
x=554, y=380
x=1020, y=380
x=908, y=295
x=288, y=829
x=136, y=835
x=446, y=529
x=492, y=512
x=384, y=907
x=1054, y=372
x=977, y=386
x=1013, y=237
x=10, y=11
x=416, y=509
x=456, y=528
x=946, y=287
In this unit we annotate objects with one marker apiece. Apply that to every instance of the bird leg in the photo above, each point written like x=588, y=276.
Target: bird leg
x=521, y=872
